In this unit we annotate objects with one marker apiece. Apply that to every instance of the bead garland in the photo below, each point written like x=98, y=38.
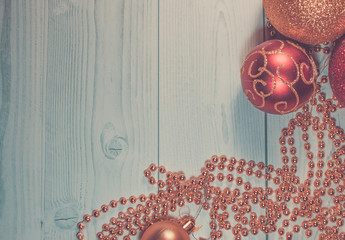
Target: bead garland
x=274, y=34
x=324, y=178
x=233, y=209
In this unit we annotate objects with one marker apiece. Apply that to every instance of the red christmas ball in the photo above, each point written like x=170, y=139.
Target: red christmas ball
x=336, y=71
x=165, y=230
x=278, y=76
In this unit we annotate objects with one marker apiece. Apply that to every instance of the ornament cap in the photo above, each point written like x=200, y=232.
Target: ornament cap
x=188, y=224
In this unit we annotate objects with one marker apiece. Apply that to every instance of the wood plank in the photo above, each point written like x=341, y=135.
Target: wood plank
x=107, y=54
x=202, y=109
x=125, y=109
x=68, y=96
x=79, y=111
x=22, y=79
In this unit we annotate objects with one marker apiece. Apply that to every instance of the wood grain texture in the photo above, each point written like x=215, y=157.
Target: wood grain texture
x=23, y=49
x=126, y=108
x=202, y=109
x=92, y=92
x=78, y=110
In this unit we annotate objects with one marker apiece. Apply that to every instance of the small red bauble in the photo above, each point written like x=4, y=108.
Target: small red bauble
x=165, y=230
x=336, y=71
x=278, y=76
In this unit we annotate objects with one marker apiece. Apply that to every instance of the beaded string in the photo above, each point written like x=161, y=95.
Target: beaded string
x=273, y=33
x=325, y=178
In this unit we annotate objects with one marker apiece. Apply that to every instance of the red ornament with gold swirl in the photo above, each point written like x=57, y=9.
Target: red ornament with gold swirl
x=278, y=77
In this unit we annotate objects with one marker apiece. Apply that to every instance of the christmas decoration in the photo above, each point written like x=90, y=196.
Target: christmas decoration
x=165, y=230
x=337, y=71
x=309, y=22
x=318, y=198
x=278, y=77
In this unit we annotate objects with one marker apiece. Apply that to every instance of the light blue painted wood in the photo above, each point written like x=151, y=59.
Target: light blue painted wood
x=79, y=111
x=202, y=108
x=92, y=92
x=23, y=51
x=203, y=111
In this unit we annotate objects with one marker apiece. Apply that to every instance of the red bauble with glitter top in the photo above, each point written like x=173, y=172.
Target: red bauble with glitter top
x=337, y=71
x=278, y=77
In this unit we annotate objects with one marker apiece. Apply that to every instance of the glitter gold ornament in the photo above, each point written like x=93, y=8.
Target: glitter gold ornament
x=309, y=22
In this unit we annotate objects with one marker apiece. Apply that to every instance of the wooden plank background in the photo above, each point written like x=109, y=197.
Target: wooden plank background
x=92, y=92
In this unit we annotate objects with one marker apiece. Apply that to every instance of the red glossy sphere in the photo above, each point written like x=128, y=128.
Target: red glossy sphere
x=165, y=230
x=278, y=76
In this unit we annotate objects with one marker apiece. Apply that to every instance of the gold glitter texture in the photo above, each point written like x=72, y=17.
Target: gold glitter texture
x=307, y=21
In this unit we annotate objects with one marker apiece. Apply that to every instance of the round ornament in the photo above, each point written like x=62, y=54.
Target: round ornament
x=278, y=77
x=337, y=71
x=165, y=230
x=309, y=22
